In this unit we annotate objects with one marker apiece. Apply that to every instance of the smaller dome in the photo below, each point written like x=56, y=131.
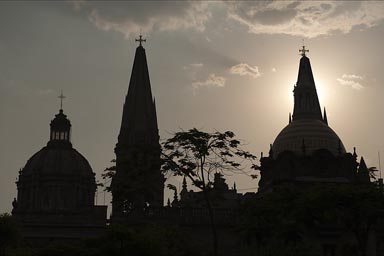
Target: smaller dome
x=56, y=179
x=58, y=161
x=315, y=134
x=59, y=157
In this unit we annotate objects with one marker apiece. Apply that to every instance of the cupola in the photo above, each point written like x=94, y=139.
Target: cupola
x=60, y=133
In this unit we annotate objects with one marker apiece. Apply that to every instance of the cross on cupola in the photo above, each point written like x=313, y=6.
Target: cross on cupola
x=61, y=97
x=60, y=128
x=303, y=51
x=140, y=40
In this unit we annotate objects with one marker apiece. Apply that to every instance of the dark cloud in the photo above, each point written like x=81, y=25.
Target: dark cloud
x=146, y=16
x=272, y=17
x=297, y=18
x=264, y=12
x=306, y=18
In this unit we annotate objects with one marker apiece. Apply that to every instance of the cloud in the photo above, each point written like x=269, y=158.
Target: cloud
x=133, y=17
x=212, y=81
x=351, y=80
x=297, y=18
x=305, y=18
x=351, y=76
x=193, y=66
x=245, y=69
x=197, y=65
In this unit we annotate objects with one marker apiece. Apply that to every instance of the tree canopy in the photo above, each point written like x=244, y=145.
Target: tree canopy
x=199, y=155
x=290, y=214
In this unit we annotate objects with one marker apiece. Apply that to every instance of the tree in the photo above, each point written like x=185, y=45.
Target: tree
x=108, y=174
x=145, y=240
x=355, y=208
x=198, y=155
x=10, y=233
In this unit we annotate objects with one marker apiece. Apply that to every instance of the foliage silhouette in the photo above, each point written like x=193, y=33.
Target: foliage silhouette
x=119, y=240
x=198, y=155
x=290, y=213
x=10, y=234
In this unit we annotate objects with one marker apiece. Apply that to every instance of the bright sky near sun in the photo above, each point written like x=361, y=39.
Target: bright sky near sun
x=213, y=65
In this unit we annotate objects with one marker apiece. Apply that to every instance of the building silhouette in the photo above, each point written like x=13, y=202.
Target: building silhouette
x=221, y=195
x=138, y=182
x=56, y=190
x=307, y=149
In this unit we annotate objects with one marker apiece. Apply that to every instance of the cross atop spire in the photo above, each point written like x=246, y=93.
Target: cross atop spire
x=303, y=50
x=61, y=97
x=139, y=122
x=140, y=40
x=307, y=105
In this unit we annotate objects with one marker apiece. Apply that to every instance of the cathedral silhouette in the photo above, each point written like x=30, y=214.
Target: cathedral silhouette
x=307, y=149
x=56, y=187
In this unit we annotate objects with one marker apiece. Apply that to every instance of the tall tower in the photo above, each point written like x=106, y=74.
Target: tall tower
x=307, y=149
x=308, y=131
x=307, y=104
x=138, y=182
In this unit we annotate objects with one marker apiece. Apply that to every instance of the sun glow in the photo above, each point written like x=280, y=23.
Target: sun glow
x=322, y=91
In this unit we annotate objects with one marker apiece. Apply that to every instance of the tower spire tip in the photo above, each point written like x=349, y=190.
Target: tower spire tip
x=303, y=50
x=140, y=40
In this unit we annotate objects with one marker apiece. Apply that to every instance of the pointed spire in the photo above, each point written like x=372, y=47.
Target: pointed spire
x=290, y=118
x=234, y=186
x=139, y=121
x=325, y=119
x=362, y=165
x=363, y=172
x=307, y=105
x=354, y=153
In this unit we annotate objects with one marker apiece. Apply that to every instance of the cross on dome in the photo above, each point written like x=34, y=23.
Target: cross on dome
x=140, y=40
x=61, y=97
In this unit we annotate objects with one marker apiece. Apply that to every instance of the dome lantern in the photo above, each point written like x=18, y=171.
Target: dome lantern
x=60, y=127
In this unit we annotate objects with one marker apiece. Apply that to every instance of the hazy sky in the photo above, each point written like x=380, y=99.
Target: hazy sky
x=213, y=65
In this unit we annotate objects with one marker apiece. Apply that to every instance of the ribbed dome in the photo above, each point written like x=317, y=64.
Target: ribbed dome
x=58, y=160
x=315, y=134
x=57, y=178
